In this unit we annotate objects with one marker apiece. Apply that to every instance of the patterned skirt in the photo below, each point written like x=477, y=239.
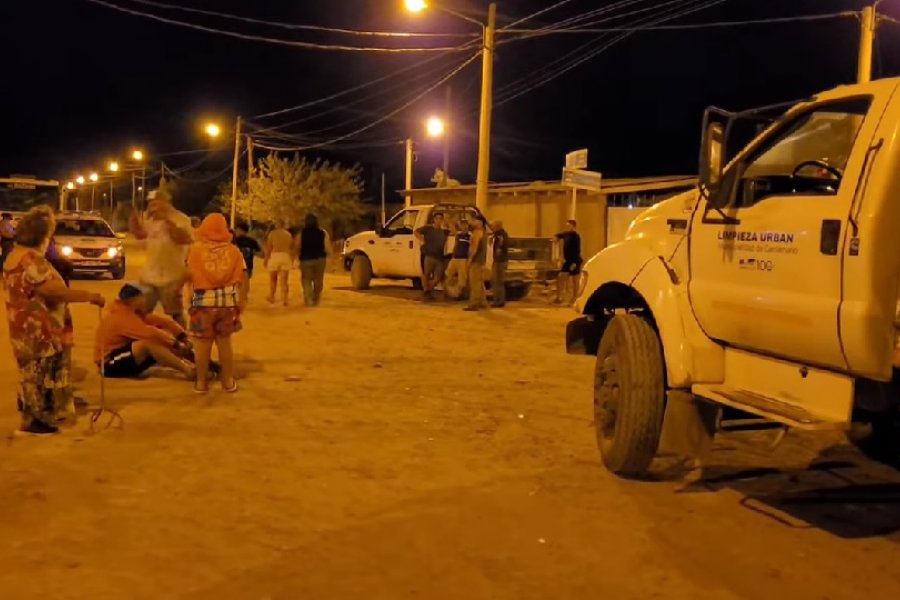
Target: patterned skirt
x=44, y=388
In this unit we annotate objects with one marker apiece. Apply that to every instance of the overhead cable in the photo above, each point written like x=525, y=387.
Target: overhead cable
x=293, y=26
x=269, y=40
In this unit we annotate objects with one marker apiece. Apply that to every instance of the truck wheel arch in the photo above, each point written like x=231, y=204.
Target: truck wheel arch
x=652, y=293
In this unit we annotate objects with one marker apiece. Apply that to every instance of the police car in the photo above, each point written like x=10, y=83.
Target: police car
x=89, y=244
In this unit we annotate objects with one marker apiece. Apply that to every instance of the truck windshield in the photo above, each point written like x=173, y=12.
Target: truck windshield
x=85, y=228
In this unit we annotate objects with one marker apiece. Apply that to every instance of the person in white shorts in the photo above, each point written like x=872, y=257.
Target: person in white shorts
x=278, y=261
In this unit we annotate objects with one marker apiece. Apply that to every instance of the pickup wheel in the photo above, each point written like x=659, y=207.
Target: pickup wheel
x=882, y=444
x=361, y=272
x=629, y=395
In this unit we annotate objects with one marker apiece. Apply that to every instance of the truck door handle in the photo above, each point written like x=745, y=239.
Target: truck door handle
x=372, y=242
x=410, y=245
x=831, y=235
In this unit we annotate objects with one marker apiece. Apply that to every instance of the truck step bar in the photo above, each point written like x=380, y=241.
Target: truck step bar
x=766, y=407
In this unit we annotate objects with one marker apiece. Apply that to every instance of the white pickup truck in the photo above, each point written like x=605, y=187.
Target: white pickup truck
x=393, y=251
x=771, y=290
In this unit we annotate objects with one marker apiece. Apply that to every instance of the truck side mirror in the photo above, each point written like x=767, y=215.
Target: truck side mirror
x=712, y=154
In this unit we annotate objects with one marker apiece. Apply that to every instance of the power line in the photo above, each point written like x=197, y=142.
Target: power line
x=686, y=26
x=292, y=26
x=556, y=72
x=536, y=14
x=356, y=88
x=278, y=132
x=268, y=40
x=392, y=113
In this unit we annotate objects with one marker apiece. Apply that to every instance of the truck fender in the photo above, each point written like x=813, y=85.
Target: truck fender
x=627, y=276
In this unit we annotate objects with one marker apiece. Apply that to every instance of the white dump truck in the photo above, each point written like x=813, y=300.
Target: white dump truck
x=394, y=252
x=769, y=292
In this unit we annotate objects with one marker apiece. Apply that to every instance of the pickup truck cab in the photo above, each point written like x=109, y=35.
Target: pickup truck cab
x=394, y=252
x=770, y=291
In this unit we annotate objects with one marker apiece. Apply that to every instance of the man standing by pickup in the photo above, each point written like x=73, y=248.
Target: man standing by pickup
x=501, y=261
x=433, y=240
x=458, y=269
x=477, y=260
x=570, y=265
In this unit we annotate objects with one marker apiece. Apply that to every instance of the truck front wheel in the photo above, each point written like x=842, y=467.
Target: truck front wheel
x=629, y=395
x=361, y=272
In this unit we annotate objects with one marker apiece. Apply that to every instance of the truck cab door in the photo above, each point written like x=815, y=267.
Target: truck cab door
x=397, y=243
x=766, y=270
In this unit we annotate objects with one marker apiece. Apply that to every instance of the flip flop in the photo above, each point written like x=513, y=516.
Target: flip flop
x=199, y=391
x=232, y=389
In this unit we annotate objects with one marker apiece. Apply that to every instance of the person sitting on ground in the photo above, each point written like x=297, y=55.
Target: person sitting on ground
x=218, y=278
x=129, y=340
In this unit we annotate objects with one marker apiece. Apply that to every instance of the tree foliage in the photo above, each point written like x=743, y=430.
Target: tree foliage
x=287, y=189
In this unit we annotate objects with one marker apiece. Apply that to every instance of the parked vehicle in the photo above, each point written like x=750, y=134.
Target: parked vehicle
x=771, y=289
x=89, y=244
x=393, y=251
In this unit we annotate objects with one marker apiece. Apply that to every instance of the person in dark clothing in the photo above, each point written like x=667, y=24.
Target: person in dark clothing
x=477, y=260
x=433, y=240
x=501, y=261
x=247, y=245
x=314, y=248
x=458, y=270
x=570, y=263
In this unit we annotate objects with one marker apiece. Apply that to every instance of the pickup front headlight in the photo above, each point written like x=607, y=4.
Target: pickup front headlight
x=112, y=252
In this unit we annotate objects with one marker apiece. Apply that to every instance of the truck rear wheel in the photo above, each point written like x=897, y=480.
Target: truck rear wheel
x=629, y=395
x=361, y=272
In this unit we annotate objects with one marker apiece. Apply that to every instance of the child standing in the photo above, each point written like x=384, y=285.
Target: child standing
x=218, y=278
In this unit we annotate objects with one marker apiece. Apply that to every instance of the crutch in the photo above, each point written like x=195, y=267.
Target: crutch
x=115, y=417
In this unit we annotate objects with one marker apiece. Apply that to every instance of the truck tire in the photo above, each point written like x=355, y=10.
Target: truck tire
x=417, y=283
x=882, y=444
x=629, y=395
x=361, y=272
x=517, y=290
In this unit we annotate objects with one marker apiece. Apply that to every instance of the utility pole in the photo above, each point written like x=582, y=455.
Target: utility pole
x=249, y=161
x=487, y=101
x=234, y=171
x=448, y=126
x=409, y=170
x=868, y=23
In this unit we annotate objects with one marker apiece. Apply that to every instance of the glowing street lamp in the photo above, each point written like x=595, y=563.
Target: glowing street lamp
x=94, y=177
x=79, y=180
x=435, y=127
x=113, y=166
x=415, y=6
x=213, y=130
x=70, y=185
x=137, y=155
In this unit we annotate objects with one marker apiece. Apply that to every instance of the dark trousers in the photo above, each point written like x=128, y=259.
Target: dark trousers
x=498, y=281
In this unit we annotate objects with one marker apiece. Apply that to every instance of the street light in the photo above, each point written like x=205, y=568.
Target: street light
x=70, y=185
x=137, y=155
x=213, y=130
x=435, y=127
x=94, y=177
x=415, y=6
x=489, y=30
x=79, y=180
x=113, y=166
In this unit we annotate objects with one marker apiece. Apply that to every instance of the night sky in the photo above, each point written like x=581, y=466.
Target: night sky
x=83, y=83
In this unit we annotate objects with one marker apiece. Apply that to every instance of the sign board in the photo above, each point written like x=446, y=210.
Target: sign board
x=581, y=179
x=577, y=159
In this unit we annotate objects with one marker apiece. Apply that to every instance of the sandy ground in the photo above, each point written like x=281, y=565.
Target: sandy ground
x=383, y=448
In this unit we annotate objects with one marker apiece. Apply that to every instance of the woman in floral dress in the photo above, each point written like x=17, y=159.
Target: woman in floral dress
x=40, y=326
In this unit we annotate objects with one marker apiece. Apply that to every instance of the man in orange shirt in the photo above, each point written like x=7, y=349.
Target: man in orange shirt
x=129, y=341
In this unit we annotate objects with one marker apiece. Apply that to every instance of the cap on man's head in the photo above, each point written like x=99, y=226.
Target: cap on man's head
x=132, y=290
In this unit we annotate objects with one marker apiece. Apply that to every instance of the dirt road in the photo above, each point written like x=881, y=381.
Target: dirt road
x=382, y=448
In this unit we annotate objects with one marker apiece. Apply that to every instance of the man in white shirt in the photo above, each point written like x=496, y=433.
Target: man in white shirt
x=167, y=233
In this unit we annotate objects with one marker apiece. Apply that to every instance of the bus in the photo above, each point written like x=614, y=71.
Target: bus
x=19, y=193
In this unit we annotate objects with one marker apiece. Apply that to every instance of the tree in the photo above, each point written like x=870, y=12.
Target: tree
x=287, y=189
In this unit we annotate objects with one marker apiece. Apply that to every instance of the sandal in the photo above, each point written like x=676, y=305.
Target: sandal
x=232, y=389
x=199, y=391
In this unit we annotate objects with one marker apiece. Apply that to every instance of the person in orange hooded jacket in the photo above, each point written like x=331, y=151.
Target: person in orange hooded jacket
x=217, y=275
